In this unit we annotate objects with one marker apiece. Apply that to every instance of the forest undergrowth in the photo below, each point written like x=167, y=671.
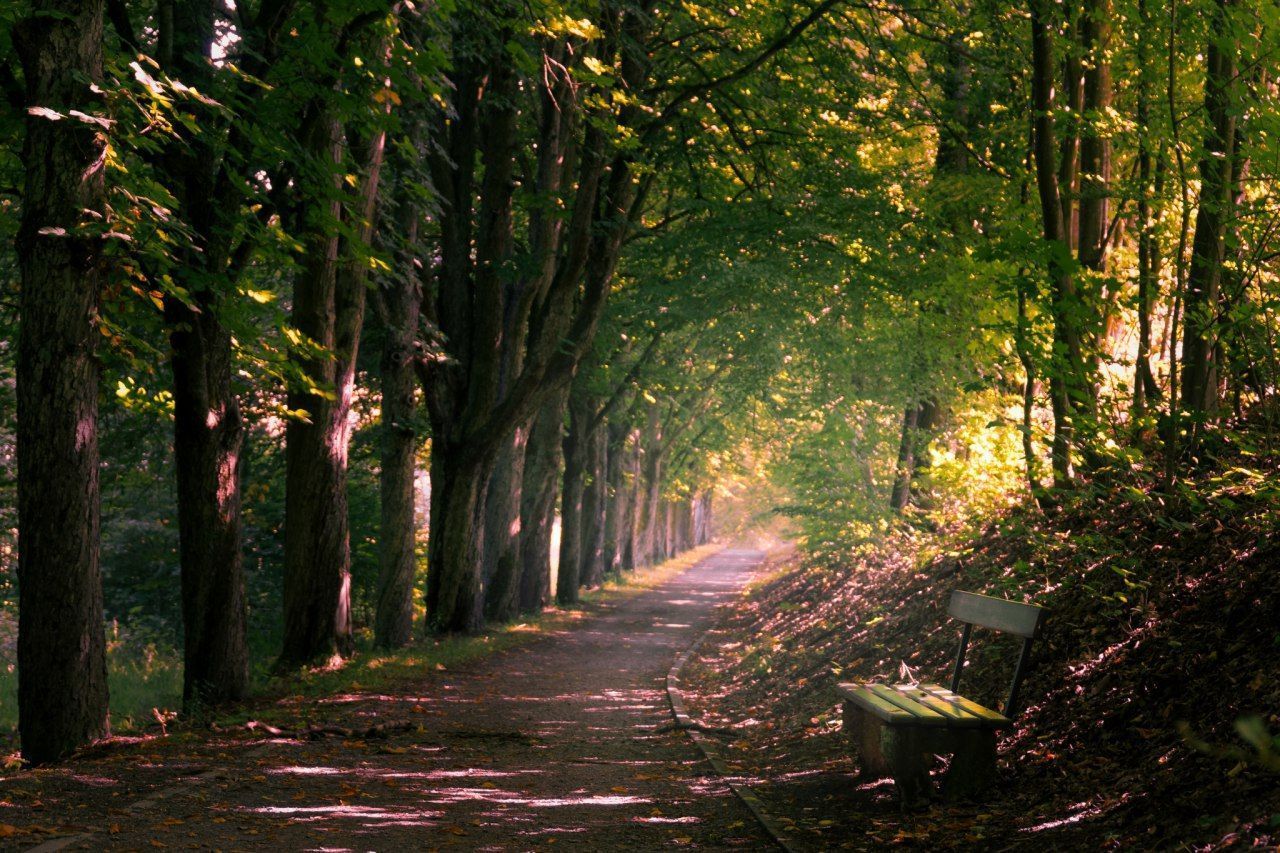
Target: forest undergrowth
x=1152, y=700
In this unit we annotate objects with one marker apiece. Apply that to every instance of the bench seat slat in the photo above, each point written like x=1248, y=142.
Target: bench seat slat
x=873, y=704
x=990, y=718
x=890, y=705
x=956, y=714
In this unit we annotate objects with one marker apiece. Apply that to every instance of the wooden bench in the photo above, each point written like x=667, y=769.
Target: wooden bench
x=895, y=727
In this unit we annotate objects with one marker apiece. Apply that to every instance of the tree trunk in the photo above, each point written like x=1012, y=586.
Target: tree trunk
x=631, y=517
x=594, y=501
x=649, y=490
x=905, y=470
x=207, y=427
x=62, y=671
x=393, y=623
x=615, y=497
x=208, y=434
x=503, y=527
x=1208, y=249
x=571, y=493
x=1095, y=146
x=1145, y=389
x=328, y=308
x=1066, y=377
x=455, y=587
x=538, y=504
x=702, y=519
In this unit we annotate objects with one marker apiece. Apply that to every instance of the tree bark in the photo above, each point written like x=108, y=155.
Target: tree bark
x=905, y=470
x=503, y=526
x=1208, y=247
x=538, y=504
x=455, y=598
x=328, y=308
x=208, y=431
x=615, y=497
x=1066, y=377
x=1145, y=389
x=594, y=501
x=630, y=532
x=576, y=449
x=402, y=303
x=1095, y=146
x=650, y=491
x=62, y=671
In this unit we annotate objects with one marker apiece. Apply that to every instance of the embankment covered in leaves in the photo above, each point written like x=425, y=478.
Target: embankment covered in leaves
x=1148, y=711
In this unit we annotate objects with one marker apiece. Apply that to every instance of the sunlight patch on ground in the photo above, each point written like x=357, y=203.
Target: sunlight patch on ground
x=394, y=817
x=1086, y=812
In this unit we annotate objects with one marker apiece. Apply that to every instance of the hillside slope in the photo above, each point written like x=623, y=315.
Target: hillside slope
x=1164, y=629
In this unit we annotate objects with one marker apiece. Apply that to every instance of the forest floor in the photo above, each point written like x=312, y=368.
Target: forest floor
x=561, y=743
x=1150, y=711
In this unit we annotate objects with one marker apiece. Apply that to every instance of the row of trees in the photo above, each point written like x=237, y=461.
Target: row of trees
x=192, y=170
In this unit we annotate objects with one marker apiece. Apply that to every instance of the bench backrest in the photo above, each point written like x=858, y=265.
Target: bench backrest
x=998, y=614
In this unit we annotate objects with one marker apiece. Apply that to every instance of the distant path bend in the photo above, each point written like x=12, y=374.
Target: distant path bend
x=553, y=745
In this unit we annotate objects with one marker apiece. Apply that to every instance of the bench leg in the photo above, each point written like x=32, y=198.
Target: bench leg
x=973, y=767
x=894, y=751
x=864, y=737
x=904, y=749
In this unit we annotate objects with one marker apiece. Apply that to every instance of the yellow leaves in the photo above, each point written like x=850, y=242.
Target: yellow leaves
x=262, y=297
x=595, y=66
x=564, y=25
x=387, y=96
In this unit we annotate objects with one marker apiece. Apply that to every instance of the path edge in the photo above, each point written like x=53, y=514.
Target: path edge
x=711, y=749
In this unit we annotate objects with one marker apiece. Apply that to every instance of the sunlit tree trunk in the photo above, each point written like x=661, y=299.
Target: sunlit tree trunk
x=628, y=536
x=576, y=447
x=399, y=305
x=538, y=504
x=1067, y=385
x=1145, y=389
x=62, y=671
x=328, y=308
x=905, y=470
x=616, y=496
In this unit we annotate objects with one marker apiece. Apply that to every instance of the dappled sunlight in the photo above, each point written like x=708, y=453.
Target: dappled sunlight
x=1079, y=812
x=372, y=815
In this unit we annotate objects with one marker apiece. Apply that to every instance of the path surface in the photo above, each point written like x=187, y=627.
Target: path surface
x=550, y=746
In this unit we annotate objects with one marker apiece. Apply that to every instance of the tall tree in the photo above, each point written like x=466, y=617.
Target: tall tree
x=1213, y=213
x=399, y=306
x=208, y=428
x=1068, y=383
x=328, y=311
x=62, y=670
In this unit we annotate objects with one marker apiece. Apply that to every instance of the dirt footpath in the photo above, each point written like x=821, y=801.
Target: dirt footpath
x=555, y=745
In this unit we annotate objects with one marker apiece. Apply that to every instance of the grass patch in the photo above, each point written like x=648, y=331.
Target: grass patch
x=138, y=682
